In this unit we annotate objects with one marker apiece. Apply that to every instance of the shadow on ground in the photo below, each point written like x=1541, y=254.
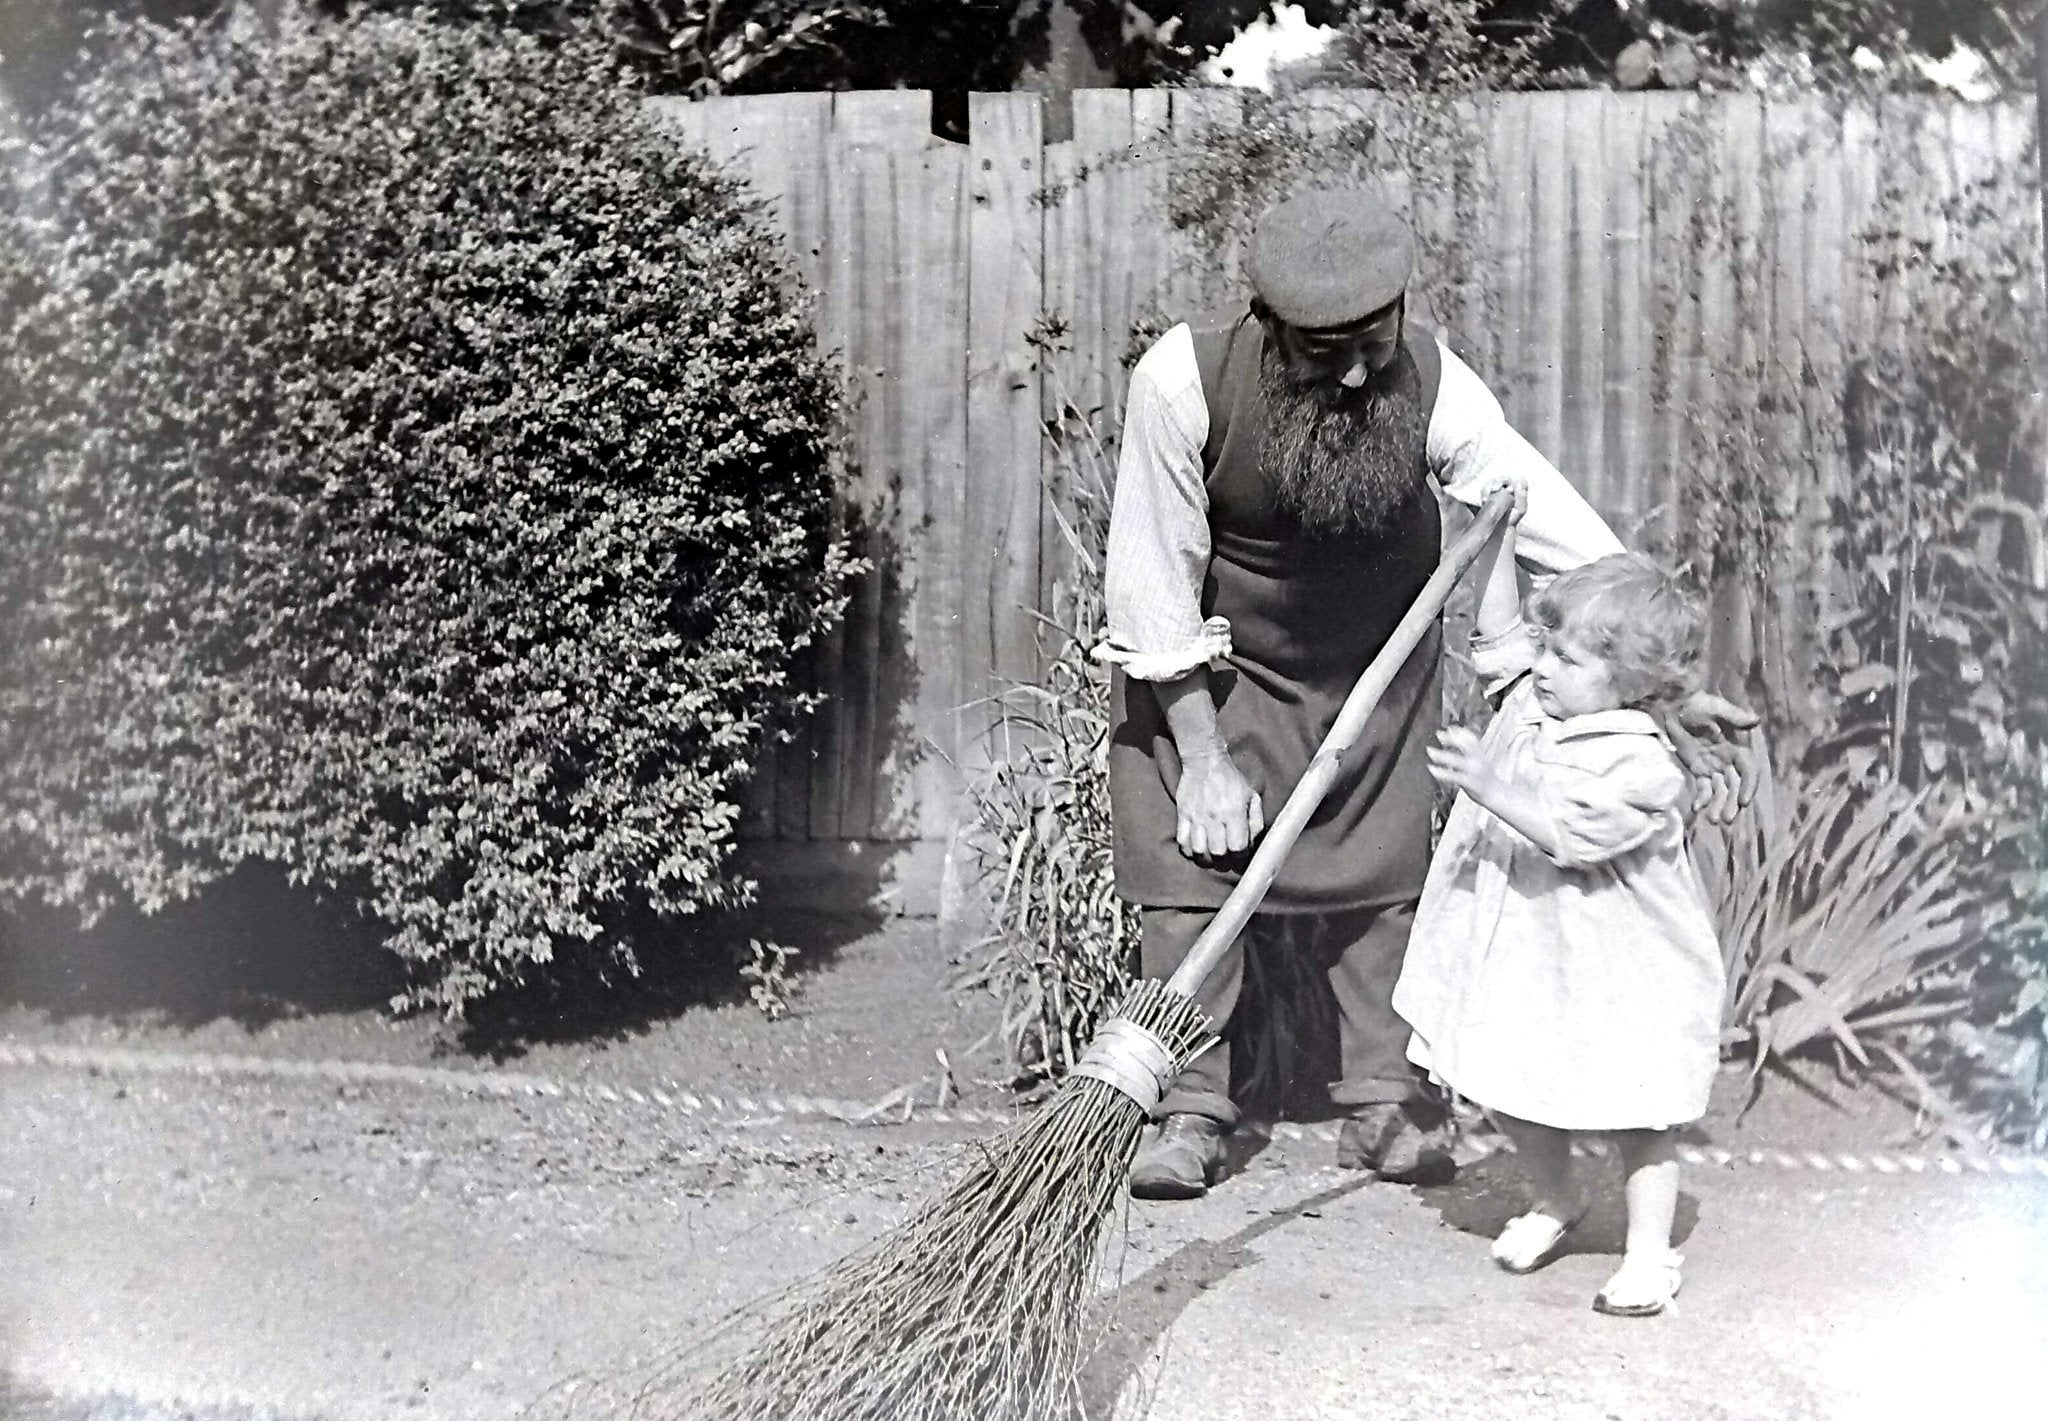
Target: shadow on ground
x=1489, y=1192
x=683, y=967
x=1137, y=1315
x=254, y=950
x=251, y=948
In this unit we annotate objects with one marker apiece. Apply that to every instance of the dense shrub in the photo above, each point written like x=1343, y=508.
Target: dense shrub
x=413, y=472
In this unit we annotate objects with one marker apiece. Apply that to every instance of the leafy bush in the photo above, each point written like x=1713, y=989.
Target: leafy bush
x=1941, y=568
x=413, y=473
x=690, y=46
x=706, y=47
x=1838, y=908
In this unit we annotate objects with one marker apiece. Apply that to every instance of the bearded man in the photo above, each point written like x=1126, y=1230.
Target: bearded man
x=1273, y=519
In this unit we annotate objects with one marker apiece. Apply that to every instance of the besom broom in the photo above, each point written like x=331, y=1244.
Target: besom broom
x=974, y=1309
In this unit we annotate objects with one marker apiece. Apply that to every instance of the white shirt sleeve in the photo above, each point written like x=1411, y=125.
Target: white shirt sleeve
x=1158, y=553
x=1469, y=437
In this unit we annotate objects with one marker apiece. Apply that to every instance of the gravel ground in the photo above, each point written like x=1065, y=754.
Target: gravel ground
x=265, y=1250
x=185, y=1246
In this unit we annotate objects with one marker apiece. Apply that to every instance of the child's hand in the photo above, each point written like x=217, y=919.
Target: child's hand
x=1508, y=482
x=1455, y=760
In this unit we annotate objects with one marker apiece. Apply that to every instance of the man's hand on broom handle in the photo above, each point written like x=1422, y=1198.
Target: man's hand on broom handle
x=1322, y=770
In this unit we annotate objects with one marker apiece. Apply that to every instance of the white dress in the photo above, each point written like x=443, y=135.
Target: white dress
x=1581, y=990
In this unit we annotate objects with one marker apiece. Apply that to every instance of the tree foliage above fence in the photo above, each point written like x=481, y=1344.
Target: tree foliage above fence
x=431, y=505
x=1676, y=44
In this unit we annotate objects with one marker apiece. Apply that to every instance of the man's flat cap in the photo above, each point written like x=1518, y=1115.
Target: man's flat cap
x=1330, y=257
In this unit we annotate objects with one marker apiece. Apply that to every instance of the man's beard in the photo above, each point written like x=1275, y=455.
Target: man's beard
x=1342, y=461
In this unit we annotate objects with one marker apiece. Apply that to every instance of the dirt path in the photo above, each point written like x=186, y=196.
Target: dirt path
x=286, y=1249
x=184, y=1246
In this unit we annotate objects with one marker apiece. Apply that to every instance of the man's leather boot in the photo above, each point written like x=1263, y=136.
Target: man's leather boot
x=1180, y=1161
x=1392, y=1142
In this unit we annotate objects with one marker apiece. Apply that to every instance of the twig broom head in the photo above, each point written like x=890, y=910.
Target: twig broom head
x=973, y=1311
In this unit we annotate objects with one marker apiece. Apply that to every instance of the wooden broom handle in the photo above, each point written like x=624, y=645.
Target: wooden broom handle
x=1364, y=699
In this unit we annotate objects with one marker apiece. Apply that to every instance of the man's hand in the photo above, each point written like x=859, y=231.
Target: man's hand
x=1714, y=739
x=1217, y=810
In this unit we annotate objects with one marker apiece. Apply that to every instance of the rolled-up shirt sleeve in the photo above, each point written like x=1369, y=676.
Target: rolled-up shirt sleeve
x=1470, y=438
x=1158, y=553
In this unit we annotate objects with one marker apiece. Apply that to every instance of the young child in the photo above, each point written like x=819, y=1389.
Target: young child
x=1563, y=970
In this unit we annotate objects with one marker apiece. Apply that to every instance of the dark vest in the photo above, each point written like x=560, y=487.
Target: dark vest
x=1307, y=615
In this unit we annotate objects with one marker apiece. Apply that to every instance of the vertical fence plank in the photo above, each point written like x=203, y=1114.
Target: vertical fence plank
x=872, y=136
x=1818, y=184
x=1082, y=259
x=1550, y=212
x=1974, y=155
x=1074, y=390
x=919, y=682
x=1471, y=318
x=1791, y=198
x=1670, y=289
x=1825, y=268
x=1137, y=246
x=1860, y=166
x=1508, y=231
x=1142, y=228
x=1064, y=173
x=1628, y=416
x=1744, y=173
x=1581, y=450
x=1004, y=490
x=1731, y=294
x=1101, y=266
x=1791, y=194
x=2013, y=138
x=1095, y=261
x=1106, y=245
x=1191, y=280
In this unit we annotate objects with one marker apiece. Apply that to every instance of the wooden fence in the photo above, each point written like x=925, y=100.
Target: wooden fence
x=945, y=271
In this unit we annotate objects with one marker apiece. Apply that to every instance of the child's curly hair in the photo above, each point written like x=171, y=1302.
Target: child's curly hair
x=1633, y=615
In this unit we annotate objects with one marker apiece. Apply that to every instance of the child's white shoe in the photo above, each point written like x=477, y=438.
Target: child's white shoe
x=1529, y=1241
x=1643, y=1286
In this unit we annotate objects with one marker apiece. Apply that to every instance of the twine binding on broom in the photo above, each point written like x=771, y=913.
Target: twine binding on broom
x=1130, y=1058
